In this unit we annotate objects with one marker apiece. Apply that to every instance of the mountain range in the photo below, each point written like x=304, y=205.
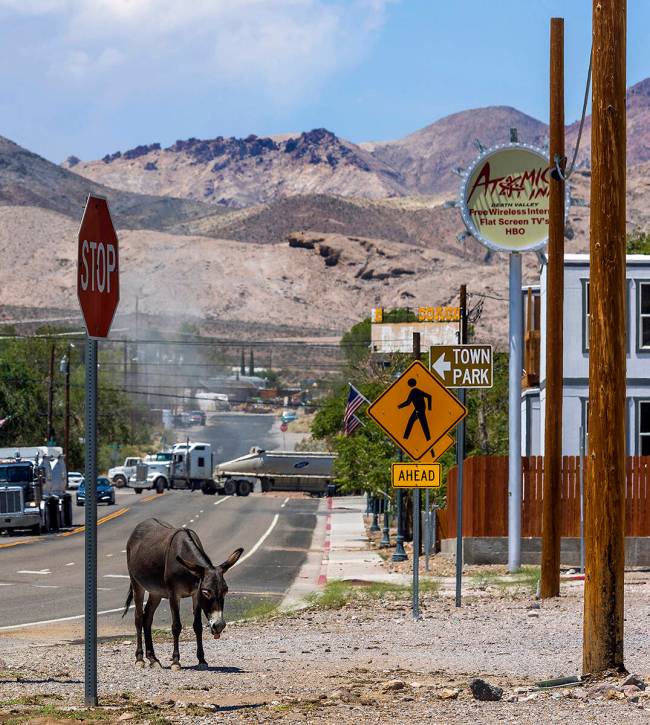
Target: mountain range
x=306, y=230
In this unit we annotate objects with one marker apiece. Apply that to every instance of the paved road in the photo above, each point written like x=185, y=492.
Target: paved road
x=43, y=580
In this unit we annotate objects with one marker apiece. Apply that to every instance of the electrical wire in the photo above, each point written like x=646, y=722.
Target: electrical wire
x=557, y=158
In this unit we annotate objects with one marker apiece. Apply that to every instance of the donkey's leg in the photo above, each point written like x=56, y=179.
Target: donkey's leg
x=198, y=630
x=138, y=598
x=152, y=604
x=176, y=630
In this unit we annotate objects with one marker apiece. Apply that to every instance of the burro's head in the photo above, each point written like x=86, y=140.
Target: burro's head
x=212, y=589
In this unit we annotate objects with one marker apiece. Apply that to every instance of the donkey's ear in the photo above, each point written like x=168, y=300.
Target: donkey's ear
x=231, y=560
x=196, y=569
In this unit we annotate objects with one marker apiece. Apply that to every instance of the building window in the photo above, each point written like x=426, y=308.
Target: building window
x=585, y=315
x=644, y=315
x=643, y=448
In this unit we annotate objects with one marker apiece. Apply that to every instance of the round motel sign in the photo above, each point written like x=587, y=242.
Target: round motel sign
x=504, y=198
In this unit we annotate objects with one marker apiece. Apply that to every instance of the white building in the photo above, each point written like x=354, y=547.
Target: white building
x=576, y=359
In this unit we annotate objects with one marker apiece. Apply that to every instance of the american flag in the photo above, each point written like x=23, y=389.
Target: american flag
x=355, y=401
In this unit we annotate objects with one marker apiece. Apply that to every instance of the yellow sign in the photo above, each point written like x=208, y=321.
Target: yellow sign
x=504, y=198
x=441, y=446
x=416, y=475
x=438, y=314
x=416, y=411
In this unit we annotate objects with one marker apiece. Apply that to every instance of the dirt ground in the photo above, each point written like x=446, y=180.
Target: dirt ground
x=363, y=661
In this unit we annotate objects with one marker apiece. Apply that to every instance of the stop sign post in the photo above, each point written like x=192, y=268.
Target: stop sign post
x=98, y=290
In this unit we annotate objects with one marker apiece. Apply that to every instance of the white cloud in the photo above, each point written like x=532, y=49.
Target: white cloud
x=281, y=48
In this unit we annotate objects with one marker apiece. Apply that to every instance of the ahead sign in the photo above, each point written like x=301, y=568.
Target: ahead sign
x=98, y=280
x=462, y=366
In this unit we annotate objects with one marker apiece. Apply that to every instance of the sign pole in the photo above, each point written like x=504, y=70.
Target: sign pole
x=551, y=502
x=460, y=458
x=427, y=528
x=416, y=553
x=605, y=485
x=98, y=292
x=514, y=415
x=91, y=525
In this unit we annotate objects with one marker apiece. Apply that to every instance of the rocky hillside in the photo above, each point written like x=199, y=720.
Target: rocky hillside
x=238, y=173
x=27, y=179
x=241, y=172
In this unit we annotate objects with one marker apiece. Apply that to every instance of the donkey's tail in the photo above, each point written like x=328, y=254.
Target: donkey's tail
x=129, y=599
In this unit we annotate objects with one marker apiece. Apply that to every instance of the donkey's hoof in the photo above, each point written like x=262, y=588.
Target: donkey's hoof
x=139, y=663
x=176, y=667
x=155, y=665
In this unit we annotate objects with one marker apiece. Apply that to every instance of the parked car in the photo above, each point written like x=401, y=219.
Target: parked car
x=197, y=417
x=75, y=479
x=288, y=415
x=105, y=492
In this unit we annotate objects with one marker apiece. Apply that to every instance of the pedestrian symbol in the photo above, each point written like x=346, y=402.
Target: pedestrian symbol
x=417, y=398
x=416, y=411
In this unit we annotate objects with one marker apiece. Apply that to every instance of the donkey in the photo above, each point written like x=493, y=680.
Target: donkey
x=170, y=563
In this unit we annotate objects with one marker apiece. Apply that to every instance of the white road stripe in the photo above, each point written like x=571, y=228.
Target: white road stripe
x=116, y=576
x=6, y=584
x=285, y=502
x=221, y=500
x=259, y=543
x=33, y=571
x=70, y=563
x=45, y=586
x=123, y=551
x=108, y=556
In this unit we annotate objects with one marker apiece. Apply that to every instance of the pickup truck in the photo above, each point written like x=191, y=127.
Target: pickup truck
x=121, y=474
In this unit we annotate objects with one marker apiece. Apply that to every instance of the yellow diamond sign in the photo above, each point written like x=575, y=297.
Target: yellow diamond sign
x=416, y=411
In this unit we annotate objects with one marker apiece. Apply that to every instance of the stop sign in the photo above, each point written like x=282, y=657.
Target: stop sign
x=284, y=427
x=98, y=278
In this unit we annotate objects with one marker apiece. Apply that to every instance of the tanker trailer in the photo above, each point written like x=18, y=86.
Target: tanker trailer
x=310, y=472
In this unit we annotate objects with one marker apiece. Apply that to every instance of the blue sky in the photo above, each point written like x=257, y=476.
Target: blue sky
x=88, y=77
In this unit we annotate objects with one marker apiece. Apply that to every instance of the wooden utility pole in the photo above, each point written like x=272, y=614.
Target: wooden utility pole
x=550, y=578
x=605, y=488
x=66, y=428
x=50, y=400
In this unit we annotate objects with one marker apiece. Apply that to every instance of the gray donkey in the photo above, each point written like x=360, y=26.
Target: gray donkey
x=170, y=563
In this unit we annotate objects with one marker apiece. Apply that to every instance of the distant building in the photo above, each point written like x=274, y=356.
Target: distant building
x=576, y=358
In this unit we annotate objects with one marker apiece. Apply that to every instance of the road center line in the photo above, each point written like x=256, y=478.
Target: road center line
x=260, y=541
x=222, y=500
x=116, y=576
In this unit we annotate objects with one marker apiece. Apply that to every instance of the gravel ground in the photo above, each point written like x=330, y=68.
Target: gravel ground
x=367, y=662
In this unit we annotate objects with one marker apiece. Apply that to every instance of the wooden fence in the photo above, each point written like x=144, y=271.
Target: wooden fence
x=485, y=497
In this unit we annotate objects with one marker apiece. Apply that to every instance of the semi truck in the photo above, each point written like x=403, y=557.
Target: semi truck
x=307, y=471
x=186, y=465
x=32, y=489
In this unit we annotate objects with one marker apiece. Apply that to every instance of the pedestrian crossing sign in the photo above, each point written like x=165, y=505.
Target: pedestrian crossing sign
x=416, y=411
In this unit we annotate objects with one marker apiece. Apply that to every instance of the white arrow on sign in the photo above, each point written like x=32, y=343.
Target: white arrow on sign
x=441, y=366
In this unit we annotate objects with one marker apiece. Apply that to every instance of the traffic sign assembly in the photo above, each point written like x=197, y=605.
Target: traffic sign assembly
x=416, y=475
x=463, y=366
x=416, y=411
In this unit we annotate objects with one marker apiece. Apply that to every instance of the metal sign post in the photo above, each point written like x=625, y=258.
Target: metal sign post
x=416, y=553
x=90, y=584
x=460, y=458
x=427, y=529
x=98, y=291
x=514, y=414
